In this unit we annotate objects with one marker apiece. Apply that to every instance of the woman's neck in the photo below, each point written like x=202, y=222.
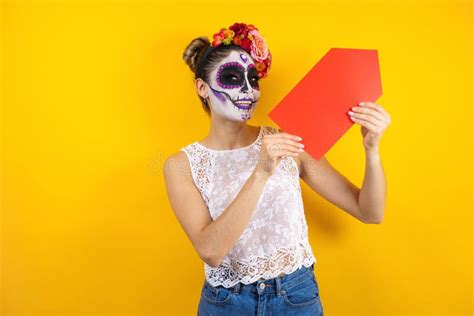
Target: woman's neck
x=226, y=135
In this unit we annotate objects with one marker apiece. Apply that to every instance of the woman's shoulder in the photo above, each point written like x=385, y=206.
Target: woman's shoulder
x=181, y=158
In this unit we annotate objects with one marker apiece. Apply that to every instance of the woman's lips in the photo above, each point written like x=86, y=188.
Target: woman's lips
x=243, y=104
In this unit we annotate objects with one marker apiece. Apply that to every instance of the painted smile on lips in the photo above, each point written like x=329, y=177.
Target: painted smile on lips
x=244, y=103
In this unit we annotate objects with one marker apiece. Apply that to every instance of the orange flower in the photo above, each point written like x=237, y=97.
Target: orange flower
x=237, y=40
x=251, y=27
x=228, y=34
x=260, y=66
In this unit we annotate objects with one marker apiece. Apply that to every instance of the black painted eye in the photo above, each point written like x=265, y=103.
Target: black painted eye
x=232, y=77
x=253, y=77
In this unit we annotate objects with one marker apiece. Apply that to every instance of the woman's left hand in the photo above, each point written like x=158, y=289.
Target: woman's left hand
x=373, y=119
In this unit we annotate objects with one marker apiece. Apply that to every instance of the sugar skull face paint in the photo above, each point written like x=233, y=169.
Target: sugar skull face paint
x=234, y=87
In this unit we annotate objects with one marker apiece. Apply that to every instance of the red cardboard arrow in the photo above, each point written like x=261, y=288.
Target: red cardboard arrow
x=316, y=108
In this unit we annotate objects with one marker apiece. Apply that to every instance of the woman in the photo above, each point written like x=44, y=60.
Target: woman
x=237, y=193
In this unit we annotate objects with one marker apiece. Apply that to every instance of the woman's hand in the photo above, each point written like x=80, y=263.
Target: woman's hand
x=274, y=147
x=374, y=121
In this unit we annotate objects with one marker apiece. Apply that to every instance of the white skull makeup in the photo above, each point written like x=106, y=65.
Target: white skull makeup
x=234, y=89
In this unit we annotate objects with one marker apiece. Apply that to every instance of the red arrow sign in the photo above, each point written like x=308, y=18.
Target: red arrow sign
x=316, y=108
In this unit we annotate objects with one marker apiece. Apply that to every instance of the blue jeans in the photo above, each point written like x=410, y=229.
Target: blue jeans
x=296, y=293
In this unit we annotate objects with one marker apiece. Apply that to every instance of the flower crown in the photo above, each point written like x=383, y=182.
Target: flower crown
x=247, y=37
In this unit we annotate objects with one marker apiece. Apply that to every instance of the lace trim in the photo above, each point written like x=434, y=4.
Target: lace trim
x=286, y=260
x=200, y=164
x=266, y=130
x=261, y=132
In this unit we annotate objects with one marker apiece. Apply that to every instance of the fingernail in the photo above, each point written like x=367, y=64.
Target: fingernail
x=301, y=145
x=362, y=103
x=299, y=138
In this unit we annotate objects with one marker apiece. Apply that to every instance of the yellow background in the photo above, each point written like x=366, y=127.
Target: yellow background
x=95, y=96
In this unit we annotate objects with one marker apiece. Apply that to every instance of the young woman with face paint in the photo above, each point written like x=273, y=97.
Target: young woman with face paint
x=237, y=195
x=222, y=190
x=233, y=90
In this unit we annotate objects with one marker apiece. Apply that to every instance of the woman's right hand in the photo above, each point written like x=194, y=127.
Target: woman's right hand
x=274, y=147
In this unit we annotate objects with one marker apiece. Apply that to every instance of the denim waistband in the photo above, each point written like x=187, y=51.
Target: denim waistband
x=276, y=284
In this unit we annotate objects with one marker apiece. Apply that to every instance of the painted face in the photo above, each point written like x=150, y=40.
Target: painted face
x=234, y=87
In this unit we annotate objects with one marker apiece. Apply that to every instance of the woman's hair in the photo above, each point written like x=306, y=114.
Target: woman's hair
x=193, y=53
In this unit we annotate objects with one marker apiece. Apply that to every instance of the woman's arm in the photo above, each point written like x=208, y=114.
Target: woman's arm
x=211, y=239
x=214, y=239
x=373, y=193
x=367, y=203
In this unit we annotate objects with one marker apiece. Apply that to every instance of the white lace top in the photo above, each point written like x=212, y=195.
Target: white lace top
x=276, y=238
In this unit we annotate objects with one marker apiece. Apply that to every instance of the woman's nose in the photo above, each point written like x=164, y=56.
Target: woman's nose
x=246, y=86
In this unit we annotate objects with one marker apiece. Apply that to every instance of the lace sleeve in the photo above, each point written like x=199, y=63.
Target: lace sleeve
x=200, y=163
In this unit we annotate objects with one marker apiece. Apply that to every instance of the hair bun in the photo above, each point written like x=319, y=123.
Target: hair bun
x=194, y=51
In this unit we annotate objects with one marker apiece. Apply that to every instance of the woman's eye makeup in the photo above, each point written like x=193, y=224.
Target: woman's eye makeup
x=253, y=77
x=231, y=75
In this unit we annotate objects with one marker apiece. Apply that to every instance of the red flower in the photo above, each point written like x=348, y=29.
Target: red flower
x=239, y=29
x=218, y=38
x=268, y=61
x=245, y=44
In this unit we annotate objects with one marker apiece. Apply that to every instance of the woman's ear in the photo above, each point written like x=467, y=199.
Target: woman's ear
x=202, y=88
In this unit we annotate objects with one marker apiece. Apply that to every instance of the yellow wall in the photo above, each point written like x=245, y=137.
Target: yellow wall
x=96, y=96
